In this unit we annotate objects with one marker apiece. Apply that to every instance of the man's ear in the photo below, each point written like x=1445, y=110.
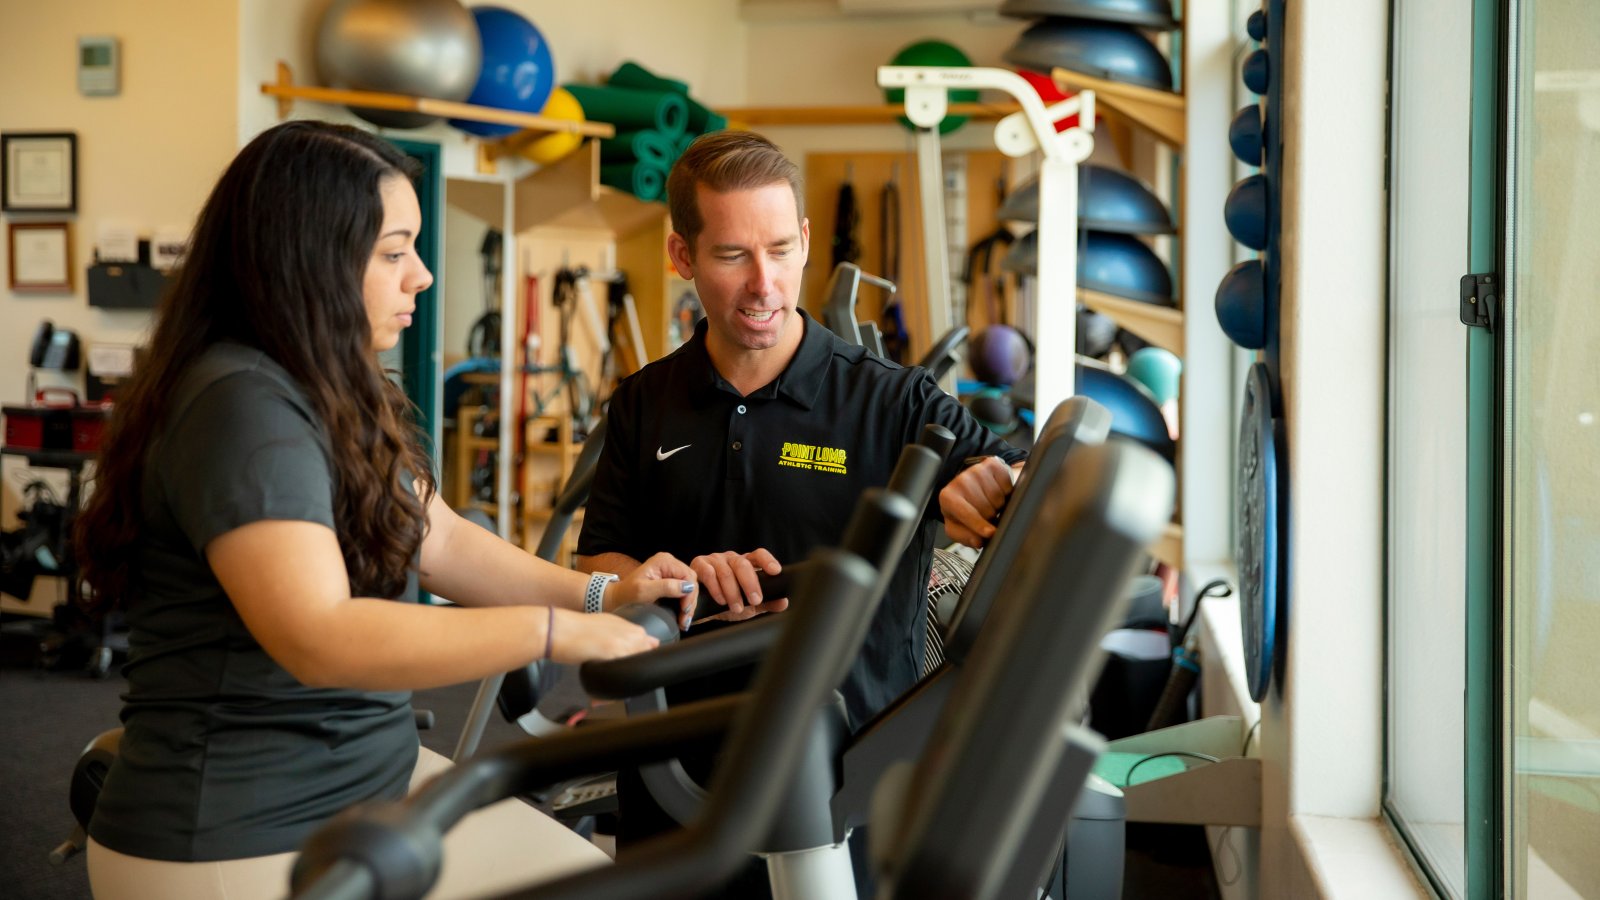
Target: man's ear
x=805, y=241
x=678, y=252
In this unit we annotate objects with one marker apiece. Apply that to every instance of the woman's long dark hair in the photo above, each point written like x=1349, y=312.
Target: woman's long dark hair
x=276, y=262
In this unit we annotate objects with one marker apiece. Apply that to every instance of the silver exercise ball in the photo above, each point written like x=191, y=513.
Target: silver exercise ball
x=423, y=48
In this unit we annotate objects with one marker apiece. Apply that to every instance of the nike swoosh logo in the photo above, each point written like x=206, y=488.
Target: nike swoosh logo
x=663, y=454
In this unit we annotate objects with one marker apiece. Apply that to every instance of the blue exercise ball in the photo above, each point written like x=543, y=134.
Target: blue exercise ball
x=1257, y=72
x=1245, y=212
x=1244, y=135
x=1116, y=264
x=518, y=72
x=419, y=48
x=1108, y=200
x=1101, y=49
x=1135, y=414
x=1144, y=13
x=1124, y=266
x=1242, y=304
x=999, y=355
x=1256, y=25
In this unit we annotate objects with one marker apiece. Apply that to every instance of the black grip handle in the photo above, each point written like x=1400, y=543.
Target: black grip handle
x=630, y=676
x=915, y=475
x=776, y=587
x=938, y=438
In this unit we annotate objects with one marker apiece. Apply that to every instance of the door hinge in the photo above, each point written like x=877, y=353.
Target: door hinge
x=1480, y=301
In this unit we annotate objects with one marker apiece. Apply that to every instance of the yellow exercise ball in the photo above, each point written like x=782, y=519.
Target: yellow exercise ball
x=546, y=150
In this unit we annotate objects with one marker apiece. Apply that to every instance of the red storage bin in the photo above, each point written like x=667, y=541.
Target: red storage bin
x=88, y=427
x=38, y=428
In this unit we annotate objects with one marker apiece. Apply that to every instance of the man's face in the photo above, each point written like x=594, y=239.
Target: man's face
x=746, y=265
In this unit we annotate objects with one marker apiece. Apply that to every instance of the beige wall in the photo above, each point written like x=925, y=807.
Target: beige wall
x=145, y=157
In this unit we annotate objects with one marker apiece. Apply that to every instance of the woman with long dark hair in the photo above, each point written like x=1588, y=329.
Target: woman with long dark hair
x=265, y=515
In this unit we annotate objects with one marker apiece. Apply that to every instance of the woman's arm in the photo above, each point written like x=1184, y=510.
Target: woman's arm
x=469, y=565
x=288, y=581
x=472, y=566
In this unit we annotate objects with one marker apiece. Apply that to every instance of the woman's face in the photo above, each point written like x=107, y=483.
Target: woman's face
x=395, y=274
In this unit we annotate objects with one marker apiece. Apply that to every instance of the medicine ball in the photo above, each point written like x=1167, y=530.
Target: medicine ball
x=999, y=354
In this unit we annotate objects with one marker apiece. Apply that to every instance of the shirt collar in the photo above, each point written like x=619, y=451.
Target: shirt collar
x=800, y=381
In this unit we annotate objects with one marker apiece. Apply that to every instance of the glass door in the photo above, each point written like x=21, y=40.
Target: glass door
x=1427, y=490
x=1551, y=452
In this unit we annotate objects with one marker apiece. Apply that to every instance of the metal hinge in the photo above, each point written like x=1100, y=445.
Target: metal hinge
x=1480, y=301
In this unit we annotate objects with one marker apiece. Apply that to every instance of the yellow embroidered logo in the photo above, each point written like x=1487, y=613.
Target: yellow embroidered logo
x=808, y=456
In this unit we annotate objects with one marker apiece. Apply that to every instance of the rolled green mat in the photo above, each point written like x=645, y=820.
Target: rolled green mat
x=646, y=145
x=632, y=75
x=631, y=109
x=702, y=120
x=644, y=180
x=683, y=144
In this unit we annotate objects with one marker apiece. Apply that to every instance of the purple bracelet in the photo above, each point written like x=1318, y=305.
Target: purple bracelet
x=550, y=632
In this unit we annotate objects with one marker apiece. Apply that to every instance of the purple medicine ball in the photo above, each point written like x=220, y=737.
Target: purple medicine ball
x=1000, y=355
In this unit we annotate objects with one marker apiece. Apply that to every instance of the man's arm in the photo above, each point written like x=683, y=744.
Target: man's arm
x=973, y=500
x=615, y=563
x=972, y=495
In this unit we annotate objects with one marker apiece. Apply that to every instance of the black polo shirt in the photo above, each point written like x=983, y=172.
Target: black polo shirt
x=690, y=467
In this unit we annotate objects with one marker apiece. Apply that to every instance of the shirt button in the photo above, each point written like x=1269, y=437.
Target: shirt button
x=741, y=409
x=738, y=446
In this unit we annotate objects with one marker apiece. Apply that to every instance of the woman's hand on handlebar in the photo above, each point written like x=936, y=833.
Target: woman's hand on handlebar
x=661, y=577
x=577, y=637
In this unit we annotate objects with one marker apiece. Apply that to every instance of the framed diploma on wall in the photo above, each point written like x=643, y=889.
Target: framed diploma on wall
x=39, y=172
x=40, y=257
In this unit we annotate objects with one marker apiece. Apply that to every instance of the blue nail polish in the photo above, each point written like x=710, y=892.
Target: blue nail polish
x=687, y=587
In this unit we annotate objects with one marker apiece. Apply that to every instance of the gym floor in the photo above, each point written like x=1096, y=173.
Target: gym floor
x=48, y=716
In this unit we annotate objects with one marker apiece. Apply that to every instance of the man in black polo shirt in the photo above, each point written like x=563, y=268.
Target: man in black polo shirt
x=749, y=446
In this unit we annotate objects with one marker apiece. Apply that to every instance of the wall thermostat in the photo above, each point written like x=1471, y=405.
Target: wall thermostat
x=99, y=64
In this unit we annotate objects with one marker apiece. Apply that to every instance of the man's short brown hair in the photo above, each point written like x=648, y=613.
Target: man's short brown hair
x=727, y=161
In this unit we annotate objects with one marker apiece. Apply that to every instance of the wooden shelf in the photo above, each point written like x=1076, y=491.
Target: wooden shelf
x=1160, y=325
x=874, y=114
x=569, y=194
x=1159, y=112
x=287, y=92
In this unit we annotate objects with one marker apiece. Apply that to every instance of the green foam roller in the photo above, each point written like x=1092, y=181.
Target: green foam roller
x=683, y=143
x=632, y=75
x=702, y=119
x=631, y=109
x=647, y=145
x=644, y=180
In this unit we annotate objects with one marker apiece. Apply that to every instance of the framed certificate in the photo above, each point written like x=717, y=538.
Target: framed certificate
x=41, y=257
x=39, y=172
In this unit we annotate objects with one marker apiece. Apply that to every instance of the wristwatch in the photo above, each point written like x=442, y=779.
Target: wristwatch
x=595, y=594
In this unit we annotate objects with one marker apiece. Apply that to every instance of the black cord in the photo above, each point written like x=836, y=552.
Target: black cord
x=1127, y=780
x=1216, y=587
x=1247, y=735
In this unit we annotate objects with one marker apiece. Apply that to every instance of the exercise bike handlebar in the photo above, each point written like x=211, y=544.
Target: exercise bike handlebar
x=395, y=849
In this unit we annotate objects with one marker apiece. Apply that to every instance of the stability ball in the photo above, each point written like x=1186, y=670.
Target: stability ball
x=421, y=48
x=518, y=72
x=933, y=53
x=556, y=145
x=999, y=355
